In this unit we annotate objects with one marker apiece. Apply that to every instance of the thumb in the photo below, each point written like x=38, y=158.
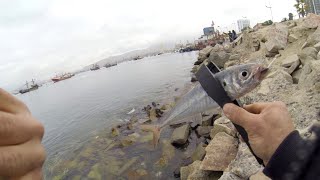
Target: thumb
x=238, y=115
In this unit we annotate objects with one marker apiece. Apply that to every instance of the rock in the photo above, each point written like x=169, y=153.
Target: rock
x=195, y=69
x=114, y=132
x=204, y=53
x=311, y=21
x=219, y=58
x=137, y=174
x=130, y=126
x=204, y=130
x=292, y=38
x=265, y=87
x=318, y=56
x=207, y=121
x=220, y=152
x=310, y=74
x=176, y=173
x=277, y=38
x=193, y=172
x=293, y=67
x=180, y=135
x=245, y=164
x=152, y=114
x=234, y=57
x=165, y=107
x=217, y=48
x=296, y=76
x=308, y=54
x=128, y=141
x=259, y=176
x=280, y=75
x=231, y=63
x=314, y=38
x=218, y=128
x=317, y=46
x=290, y=60
x=222, y=120
x=199, y=153
x=194, y=78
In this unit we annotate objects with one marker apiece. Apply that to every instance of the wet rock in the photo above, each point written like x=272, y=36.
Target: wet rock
x=220, y=152
x=219, y=58
x=114, y=132
x=154, y=104
x=127, y=165
x=165, y=107
x=277, y=38
x=308, y=54
x=128, y=141
x=194, y=78
x=259, y=176
x=296, y=76
x=159, y=113
x=312, y=21
x=95, y=172
x=292, y=38
x=199, y=153
x=310, y=74
x=218, y=128
x=137, y=174
x=180, y=135
x=152, y=114
x=204, y=131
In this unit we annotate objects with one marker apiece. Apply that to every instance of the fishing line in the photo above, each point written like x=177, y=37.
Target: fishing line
x=271, y=62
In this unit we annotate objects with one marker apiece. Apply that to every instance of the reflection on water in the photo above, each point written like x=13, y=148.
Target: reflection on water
x=77, y=112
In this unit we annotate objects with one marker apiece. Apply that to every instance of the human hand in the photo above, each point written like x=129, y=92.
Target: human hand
x=267, y=125
x=21, y=152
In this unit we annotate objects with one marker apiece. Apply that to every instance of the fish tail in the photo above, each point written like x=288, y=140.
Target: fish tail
x=156, y=130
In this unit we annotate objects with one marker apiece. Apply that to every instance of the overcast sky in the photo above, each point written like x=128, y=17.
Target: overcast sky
x=39, y=38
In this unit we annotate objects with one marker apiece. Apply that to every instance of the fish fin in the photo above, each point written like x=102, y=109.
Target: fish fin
x=156, y=130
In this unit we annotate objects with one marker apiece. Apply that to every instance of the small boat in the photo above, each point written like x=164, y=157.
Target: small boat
x=28, y=88
x=62, y=77
x=95, y=67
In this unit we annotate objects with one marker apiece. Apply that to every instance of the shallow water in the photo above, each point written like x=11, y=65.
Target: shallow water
x=77, y=113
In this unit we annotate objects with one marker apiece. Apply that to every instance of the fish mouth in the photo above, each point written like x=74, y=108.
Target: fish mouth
x=261, y=73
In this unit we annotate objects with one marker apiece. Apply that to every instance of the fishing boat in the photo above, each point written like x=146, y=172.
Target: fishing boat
x=95, y=67
x=33, y=86
x=62, y=77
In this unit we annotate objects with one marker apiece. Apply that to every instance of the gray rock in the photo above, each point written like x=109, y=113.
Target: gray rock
x=219, y=58
x=199, y=153
x=204, y=130
x=218, y=128
x=277, y=38
x=293, y=67
x=207, y=121
x=220, y=152
x=308, y=54
x=318, y=56
x=296, y=76
x=310, y=74
x=292, y=38
x=180, y=135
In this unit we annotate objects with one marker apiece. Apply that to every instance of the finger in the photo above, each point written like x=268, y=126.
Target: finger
x=16, y=129
x=21, y=159
x=10, y=104
x=256, y=108
x=238, y=115
x=33, y=175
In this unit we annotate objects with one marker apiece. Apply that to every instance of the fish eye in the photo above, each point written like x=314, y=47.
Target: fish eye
x=244, y=73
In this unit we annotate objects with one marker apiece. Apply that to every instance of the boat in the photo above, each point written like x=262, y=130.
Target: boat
x=95, y=67
x=28, y=88
x=62, y=77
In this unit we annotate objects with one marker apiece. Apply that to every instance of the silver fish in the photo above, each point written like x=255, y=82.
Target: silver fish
x=237, y=81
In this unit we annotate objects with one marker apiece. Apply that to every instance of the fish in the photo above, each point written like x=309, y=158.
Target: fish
x=236, y=81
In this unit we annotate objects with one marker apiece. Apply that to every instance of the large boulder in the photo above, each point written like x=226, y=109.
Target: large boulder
x=205, y=53
x=219, y=58
x=311, y=21
x=310, y=75
x=180, y=135
x=314, y=38
x=277, y=38
x=308, y=54
x=220, y=152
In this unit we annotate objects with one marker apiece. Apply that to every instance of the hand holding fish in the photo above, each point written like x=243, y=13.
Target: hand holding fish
x=21, y=152
x=267, y=125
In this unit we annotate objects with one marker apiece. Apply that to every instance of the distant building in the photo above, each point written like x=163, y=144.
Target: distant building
x=243, y=23
x=208, y=31
x=313, y=6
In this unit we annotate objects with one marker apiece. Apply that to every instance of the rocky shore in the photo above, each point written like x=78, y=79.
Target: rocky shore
x=206, y=145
